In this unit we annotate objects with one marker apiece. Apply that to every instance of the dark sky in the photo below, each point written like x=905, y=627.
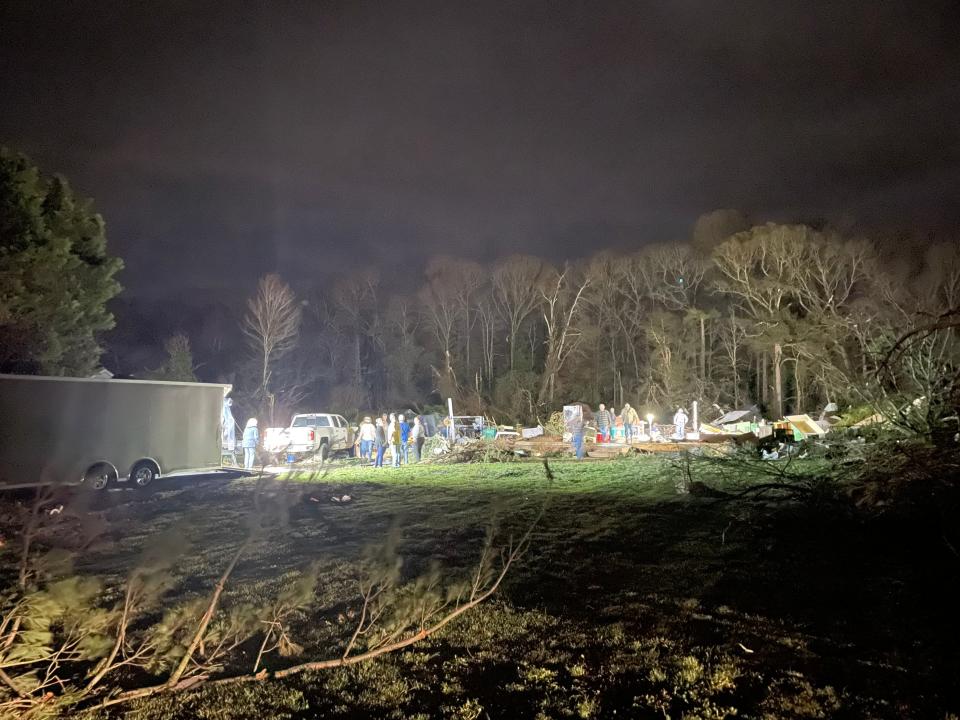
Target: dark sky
x=224, y=140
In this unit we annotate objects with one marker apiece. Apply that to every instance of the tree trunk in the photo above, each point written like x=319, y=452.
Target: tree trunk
x=764, y=387
x=733, y=367
x=778, y=379
x=265, y=377
x=357, y=369
x=546, y=378
x=466, y=323
x=798, y=408
x=703, y=350
x=613, y=367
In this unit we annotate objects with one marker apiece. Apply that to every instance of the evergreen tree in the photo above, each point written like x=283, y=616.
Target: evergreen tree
x=179, y=365
x=55, y=275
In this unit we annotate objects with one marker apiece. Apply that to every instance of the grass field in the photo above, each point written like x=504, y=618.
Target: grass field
x=633, y=600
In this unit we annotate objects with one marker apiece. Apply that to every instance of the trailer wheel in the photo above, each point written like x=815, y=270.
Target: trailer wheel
x=143, y=473
x=99, y=477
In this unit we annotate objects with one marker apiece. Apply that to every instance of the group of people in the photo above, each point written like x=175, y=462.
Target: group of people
x=624, y=427
x=391, y=431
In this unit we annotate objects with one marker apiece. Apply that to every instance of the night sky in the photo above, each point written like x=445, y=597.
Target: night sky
x=225, y=140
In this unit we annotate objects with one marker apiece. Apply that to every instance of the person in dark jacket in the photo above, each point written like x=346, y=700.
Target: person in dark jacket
x=380, y=443
x=575, y=423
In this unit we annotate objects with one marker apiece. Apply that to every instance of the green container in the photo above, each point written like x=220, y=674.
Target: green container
x=489, y=433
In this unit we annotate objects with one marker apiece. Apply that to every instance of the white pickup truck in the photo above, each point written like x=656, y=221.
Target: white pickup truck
x=323, y=433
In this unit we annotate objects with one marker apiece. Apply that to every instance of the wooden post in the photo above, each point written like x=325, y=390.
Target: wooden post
x=453, y=426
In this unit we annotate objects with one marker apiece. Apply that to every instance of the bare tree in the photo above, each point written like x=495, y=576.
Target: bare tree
x=358, y=316
x=798, y=286
x=755, y=268
x=562, y=295
x=732, y=334
x=440, y=299
x=464, y=278
x=272, y=325
x=515, y=292
x=403, y=323
x=486, y=312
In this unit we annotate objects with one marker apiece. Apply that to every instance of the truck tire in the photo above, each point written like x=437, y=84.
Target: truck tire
x=98, y=477
x=324, y=452
x=143, y=473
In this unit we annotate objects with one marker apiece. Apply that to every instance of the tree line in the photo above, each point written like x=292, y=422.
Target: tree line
x=784, y=317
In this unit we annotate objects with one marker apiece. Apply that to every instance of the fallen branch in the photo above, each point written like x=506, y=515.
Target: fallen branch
x=207, y=615
x=479, y=592
x=176, y=681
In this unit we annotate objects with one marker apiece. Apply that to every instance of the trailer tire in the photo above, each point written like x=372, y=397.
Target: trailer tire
x=143, y=473
x=99, y=476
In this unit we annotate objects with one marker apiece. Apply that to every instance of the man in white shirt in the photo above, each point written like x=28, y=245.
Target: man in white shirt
x=368, y=434
x=416, y=435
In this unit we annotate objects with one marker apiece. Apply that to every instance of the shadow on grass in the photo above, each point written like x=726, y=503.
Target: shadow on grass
x=632, y=600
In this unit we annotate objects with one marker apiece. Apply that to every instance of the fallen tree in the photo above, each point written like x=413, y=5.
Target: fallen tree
x=64, y=646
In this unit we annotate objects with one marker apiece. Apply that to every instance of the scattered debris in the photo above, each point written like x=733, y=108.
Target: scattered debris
x=804, y=426
x=874, y=419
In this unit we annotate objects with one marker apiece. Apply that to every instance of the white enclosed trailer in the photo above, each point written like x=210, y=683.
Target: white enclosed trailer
x=66, y=431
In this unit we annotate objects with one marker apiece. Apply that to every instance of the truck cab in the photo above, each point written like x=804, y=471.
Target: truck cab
x=323, y=433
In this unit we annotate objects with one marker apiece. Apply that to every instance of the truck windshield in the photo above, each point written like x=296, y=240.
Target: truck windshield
x=311, y=421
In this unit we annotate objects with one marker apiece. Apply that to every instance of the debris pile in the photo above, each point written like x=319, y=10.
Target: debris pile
x=469, y=451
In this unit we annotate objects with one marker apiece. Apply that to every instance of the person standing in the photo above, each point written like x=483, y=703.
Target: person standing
x=630, y=421
x=604, y=421
x=228, y=431
x=680, y=422
x=251, y=438
x=380, y=441
x=393, y=437
x=404, y=439
x=575, y=424
x=416, y=435
x=368, y=436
